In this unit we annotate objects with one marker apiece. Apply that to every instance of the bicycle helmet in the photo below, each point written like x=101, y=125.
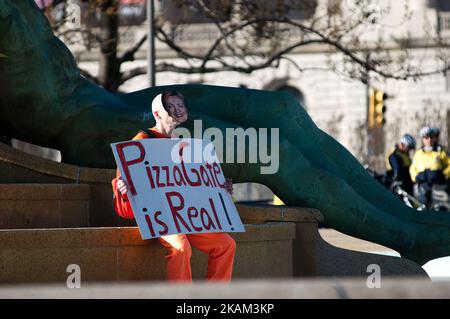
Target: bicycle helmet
x=426, y=131
x=435, y=131
x=408, y=141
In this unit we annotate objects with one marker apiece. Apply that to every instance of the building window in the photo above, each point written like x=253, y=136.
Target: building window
x=131, y=12
x=185, y=12
x=291, y=9
x=444, y=23
x=447, y=81
x=444, y=5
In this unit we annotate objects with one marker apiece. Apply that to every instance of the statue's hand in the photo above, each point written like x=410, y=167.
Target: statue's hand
x=229, y=185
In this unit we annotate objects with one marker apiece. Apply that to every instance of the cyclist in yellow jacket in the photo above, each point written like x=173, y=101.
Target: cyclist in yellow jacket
x=430, y=165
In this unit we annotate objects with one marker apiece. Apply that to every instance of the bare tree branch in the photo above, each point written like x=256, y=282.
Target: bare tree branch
x=67, y=33
x=128, y=75
x=129, y=54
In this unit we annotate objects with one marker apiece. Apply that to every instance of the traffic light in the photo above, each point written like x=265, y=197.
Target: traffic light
x=377, y=108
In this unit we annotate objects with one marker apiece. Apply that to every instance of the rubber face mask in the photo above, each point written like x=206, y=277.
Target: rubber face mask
x=176, y=108
x=175, y=112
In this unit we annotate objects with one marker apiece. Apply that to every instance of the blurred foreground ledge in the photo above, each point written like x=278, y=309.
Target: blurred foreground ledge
x=332, y=288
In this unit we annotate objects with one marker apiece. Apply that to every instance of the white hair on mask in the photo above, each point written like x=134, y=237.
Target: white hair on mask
x=157, y=104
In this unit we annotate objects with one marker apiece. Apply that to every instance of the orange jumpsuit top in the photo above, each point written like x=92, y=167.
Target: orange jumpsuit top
x=121, y=204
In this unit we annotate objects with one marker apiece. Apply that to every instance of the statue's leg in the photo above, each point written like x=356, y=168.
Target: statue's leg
x=255, y=108
x=303, y=183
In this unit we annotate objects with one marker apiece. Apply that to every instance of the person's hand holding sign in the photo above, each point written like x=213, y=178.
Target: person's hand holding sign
x=228, y=185
x=122, y=186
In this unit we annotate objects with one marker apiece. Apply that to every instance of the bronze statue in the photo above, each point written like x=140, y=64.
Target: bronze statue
x=44, y=100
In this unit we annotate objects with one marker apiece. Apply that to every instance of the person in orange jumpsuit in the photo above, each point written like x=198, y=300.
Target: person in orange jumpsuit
x=169, y=110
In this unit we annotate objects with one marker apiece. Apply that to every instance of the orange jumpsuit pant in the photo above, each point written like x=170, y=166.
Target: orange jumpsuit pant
x=220, y=248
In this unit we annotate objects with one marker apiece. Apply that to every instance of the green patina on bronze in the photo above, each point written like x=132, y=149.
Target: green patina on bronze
x=44, y=100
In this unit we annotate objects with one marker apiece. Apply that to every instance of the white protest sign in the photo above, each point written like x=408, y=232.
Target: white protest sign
x=175, y=186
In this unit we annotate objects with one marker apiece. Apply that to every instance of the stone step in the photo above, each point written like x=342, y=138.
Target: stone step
x=24, y=206
x=119, y=254
x=284, y=242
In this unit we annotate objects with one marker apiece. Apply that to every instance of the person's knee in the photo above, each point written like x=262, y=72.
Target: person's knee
x=183, y=250
x=228, y=245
